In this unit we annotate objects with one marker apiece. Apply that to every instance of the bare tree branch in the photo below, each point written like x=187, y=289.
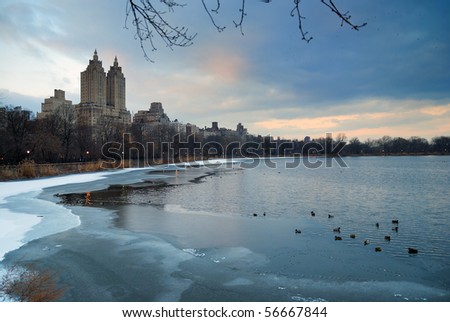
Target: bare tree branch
x=219, y=28
x=296, y=11
x=243, y=14
x=345, y=17
x=149, y=20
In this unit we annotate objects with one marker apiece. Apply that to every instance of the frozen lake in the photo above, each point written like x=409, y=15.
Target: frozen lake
x=200, y=233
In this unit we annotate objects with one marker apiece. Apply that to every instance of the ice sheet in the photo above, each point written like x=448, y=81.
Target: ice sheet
x=24, y=218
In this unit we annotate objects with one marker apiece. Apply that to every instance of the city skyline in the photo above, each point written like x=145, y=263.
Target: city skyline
x=390, y=78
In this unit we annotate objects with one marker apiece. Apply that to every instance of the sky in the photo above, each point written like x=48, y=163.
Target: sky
x=392, y=77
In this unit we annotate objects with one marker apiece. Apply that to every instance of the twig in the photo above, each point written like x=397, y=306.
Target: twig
x=219, y=28
x=345, y=17
x=243, y=14
x=147, y=19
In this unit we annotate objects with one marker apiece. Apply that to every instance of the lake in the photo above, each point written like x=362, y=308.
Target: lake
x=228, y=232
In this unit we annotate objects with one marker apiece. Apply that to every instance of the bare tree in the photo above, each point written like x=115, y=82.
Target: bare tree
x=64, y=119
x=17, y=130
x=45, y=144
x=149, y=18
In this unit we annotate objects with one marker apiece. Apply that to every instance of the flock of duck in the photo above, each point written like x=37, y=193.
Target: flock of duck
x=337, y=230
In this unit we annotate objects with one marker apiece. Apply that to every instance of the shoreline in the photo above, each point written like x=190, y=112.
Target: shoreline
x=30, y=170
x=28, y=220
x=26, y=223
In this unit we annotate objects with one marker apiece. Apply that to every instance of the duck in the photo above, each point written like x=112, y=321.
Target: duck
x=395, y=229
x=395, y=221
x=313, y=213
x=264, y=214
x=352, y=236
x=337, y=230
x=298, y=231
x=387, y=238
x=255, y=215
x=378, y=249
x=337, y=238
x=377, y=225
x=412, y=250
x=366, y=242
x=330, y=216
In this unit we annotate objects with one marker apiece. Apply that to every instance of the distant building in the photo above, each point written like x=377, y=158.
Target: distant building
x=156, y=120
x=115, y=91
x=155, y=114
x=52, y=103
x=93, y=83
x=241, y=130
x=103, y=98
x=214, y=130
x=191, y=129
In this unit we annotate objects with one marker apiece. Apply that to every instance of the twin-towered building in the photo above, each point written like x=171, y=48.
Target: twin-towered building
x=103, y=104
x=102, y=99
x=102, y=95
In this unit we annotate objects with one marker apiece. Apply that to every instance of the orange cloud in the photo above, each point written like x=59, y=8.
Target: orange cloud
x=224, y=66
x=435, y=120
x=436, y=110
x=326, y=122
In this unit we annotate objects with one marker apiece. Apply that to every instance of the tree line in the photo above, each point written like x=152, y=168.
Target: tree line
x=398, y=145
x=53, y=139
x=59, y=138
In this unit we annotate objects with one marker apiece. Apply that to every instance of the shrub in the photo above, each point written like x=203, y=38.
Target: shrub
x=27, y=284
x=27, y=169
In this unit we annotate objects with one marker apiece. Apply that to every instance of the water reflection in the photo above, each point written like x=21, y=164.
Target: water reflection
x=87, y=199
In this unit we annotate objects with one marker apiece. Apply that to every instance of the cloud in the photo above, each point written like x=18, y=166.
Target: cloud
x=418, y=119
x=227, y=67
x=436, y=110
x=326, y=123
x=391, y=76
